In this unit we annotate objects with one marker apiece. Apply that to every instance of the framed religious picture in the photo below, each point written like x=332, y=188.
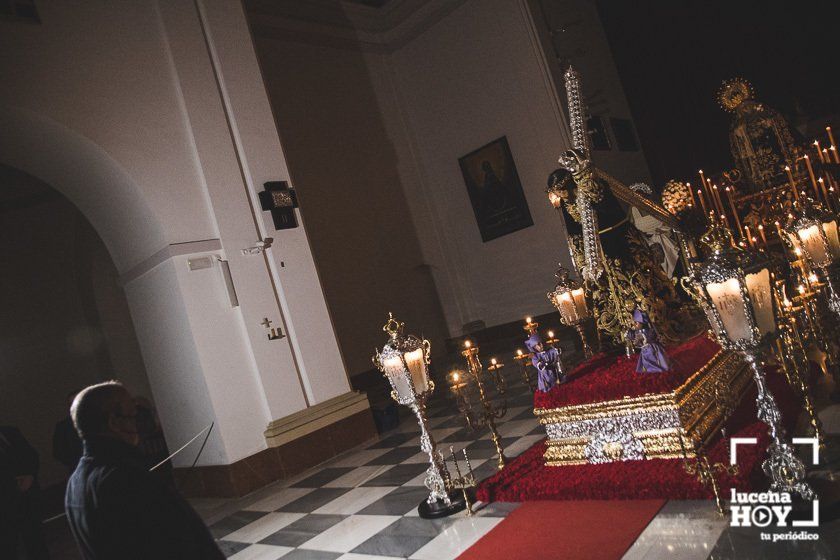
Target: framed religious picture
x=495, y=191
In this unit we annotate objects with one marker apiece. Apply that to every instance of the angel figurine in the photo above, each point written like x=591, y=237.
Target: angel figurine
x=643, y=335
x=547, y=363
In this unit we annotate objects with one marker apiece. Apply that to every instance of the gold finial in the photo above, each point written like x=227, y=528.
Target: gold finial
x=393, y=327
x=733, y=92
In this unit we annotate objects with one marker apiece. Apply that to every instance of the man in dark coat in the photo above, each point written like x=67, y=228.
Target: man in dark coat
x=20, y=516
x=115, y=507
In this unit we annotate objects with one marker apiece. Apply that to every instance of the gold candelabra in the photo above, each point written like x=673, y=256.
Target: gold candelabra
x=489, y=412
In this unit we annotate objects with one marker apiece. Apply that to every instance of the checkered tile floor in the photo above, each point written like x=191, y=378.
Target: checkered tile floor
x=363, y=505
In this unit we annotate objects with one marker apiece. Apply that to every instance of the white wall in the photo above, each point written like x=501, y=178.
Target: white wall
x=472, y=77
x=151, y=117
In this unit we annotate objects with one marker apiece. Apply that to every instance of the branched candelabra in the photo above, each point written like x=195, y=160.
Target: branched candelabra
x=489, y=412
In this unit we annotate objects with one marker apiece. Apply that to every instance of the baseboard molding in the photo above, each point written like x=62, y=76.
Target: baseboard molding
x=314, y=442
x=299, y=424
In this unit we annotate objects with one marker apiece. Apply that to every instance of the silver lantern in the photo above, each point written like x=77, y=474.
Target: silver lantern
x=404, y=360
x=734, y=290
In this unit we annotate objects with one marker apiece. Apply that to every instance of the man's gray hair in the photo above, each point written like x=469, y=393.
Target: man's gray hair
x=94, y=405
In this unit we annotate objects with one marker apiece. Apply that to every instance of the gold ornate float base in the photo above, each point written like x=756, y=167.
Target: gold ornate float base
x=647, y=427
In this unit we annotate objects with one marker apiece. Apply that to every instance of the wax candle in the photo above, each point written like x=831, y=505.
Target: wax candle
x=702, y=202
x=833, y=144
x=811, y=175
x=734, y=211
x=792, y=182
x=819, y=151
x=761, y=232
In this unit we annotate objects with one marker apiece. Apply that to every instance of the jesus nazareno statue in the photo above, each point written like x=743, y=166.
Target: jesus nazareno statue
x=634, y=271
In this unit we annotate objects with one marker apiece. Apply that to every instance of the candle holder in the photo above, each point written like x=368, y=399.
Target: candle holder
x=489, y=412
x=735, y=292
x=570, y=300
x=524, y=359
x=404, y=360
x=464, y=482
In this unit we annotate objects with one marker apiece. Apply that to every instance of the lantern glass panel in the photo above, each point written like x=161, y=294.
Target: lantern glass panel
x=566, y=306
x=398, y=377
x=726, y=297
x=416, y=362
x=580, y=303
x=758, y=286
x=833, y=237
x=812, y=243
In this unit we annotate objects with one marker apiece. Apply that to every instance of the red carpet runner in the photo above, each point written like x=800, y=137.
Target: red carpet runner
x=566, y=530
x=526, y=478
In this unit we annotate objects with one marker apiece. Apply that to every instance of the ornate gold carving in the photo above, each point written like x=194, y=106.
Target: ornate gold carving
x=656, y=420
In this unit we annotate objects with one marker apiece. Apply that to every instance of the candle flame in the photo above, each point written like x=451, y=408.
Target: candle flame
x=456, y=376
x=467, y=344
x=812, y=278
x=800, y=288
x=527, y=319
x=493, y=361
x=787, y=168
x=760, y=226
x=550, y=334
x=518, y=352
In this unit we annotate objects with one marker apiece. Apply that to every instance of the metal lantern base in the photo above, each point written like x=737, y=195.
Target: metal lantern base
x=440, y=509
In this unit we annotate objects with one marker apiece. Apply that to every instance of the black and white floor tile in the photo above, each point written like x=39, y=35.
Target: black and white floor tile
x=363, y=504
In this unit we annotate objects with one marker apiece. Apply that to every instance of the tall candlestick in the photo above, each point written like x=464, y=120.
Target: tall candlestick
x=763, y=237
x=824, y=192
x=826, y=156
x=834, y=155
x=811, y=175
x=819, y=151
x=792, y=182
x=749, y=237
x=718, y=201
x=734, y=211
x=833, y=143
x=702, y=202
x=707, y=188
x=691, y=192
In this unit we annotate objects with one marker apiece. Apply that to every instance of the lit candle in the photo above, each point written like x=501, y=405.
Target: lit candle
x=702, y=202
x=819, y=151
x=833, y=144
x=691, y=192
x=734, y=211
x=792, y=182
x=811, y=175
x=749, y=237
x=779, y=231
x=493, y=361
x=518, y=351
x=824, y=192
x=550, y=334
x=761, y=232
x=467, y=344
x=718, y=202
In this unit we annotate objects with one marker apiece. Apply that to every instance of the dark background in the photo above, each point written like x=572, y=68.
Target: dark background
x=673, y=55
